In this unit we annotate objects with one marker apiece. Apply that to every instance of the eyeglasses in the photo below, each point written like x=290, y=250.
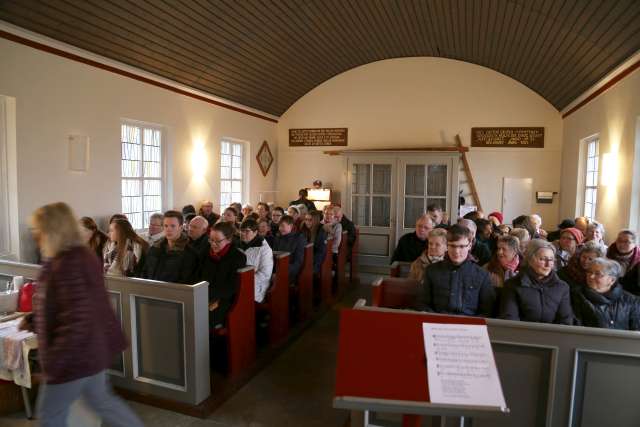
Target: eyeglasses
x=545, y=260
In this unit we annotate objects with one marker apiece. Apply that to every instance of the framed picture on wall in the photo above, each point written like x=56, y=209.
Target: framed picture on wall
x=264, y=158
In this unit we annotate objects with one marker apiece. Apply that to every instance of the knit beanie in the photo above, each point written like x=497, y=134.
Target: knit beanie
x=498, y=216
x=577, y=234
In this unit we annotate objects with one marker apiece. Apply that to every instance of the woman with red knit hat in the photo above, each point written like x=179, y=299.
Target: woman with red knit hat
x=566, y=246
x=496, y=218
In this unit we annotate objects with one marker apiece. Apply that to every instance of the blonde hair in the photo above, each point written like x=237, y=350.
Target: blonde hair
x=56, y=228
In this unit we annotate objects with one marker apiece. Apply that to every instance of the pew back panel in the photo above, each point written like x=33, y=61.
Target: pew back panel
x=241, y=325
x=304, y=287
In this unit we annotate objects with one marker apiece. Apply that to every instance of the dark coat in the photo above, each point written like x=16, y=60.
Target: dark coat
x=222, y=276
x=631, y=281
x=201, y=246
x=350, y=228
x=178, y=265
x=457, y=289
x=319, y=249
x=293, y=243
x=409, y=248
x=615, y=309
x=212, y=218
x=523, y=298
x=481, y=252
x=78, y=332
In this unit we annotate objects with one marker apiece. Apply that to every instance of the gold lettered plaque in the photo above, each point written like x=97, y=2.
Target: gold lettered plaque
x=318, y=137
x=510, y=137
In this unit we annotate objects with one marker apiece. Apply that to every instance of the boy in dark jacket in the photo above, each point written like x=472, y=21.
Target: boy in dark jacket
x=171, y=259
x=457, y=285
x=289, y=241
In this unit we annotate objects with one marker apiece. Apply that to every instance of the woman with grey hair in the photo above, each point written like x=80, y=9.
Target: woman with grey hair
x=575, y=272
x=595, y=233
x=537, y=294
x=603, y=303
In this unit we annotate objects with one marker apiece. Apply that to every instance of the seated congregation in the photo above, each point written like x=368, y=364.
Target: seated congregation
x=482, y=267
x=192, y=246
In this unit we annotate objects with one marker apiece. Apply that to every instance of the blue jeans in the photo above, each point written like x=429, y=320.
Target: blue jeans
x=55, y=399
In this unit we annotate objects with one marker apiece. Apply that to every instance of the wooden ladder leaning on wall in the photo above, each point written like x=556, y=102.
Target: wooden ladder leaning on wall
x=467, y=172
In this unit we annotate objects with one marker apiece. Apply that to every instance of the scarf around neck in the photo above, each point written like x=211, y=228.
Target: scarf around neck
x=217, y=256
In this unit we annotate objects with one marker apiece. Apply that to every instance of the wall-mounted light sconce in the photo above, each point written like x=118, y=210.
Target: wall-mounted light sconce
x=609, y=169
x=198, y=161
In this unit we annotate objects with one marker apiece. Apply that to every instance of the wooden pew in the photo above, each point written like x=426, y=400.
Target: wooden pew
x=326, y=279
x=304, y=285
x=341, y=277
x=395, y=292
x=240, y=331
x=354, y=276
x=276, y=301
x=399, y=269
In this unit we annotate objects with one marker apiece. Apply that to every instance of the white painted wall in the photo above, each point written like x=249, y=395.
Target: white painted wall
x=615, y=116
x=56, y=97
x=411, y=102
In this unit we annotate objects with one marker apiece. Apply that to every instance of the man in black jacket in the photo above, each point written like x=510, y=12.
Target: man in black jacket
x=457, y=285
x=480, y=251
x=349, y=227
x=171, y=259
x=198, y=236
x=288, y=240
x=411, y=245
x=302, y=200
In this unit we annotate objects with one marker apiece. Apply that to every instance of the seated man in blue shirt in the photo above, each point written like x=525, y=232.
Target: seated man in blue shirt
x=457, y=285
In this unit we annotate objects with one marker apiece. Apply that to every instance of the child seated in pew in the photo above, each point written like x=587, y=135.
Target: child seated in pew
x=314, y=233
x=293, y=242
x=220, y=269
x=333, y=230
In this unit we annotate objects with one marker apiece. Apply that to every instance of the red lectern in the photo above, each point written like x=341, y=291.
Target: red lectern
x=382, y=365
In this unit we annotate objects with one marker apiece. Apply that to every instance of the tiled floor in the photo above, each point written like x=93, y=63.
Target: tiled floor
x=295, y=390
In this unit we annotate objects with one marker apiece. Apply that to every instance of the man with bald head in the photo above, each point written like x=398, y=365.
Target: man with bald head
x=479, y=250
x=198, y=238
x=411, y=245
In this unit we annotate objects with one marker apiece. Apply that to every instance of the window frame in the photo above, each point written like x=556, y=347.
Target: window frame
x=163, y=165
x=584, y=174
x=244, y=171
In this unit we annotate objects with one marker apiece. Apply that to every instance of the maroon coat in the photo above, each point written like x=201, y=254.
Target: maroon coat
x=78, y=333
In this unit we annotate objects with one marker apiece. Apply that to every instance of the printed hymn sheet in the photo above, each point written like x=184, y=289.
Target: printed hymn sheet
x=460, y=365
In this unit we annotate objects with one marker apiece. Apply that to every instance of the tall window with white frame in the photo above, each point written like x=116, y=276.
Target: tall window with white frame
x=142, y=172
x=591, y=177
x=231, y=173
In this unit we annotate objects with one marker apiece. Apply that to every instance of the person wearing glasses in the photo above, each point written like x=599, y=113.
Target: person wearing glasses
x=220, y=269
x=276, y=215
x=537, y=294
x=259, y=255
x=603, y=303
x=457, y=285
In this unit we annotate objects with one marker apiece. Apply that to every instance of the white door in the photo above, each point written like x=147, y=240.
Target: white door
x=371, y=202
x=517, y=194
x=425, y=181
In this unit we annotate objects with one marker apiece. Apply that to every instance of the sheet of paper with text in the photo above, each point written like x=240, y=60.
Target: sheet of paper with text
x=460, y=365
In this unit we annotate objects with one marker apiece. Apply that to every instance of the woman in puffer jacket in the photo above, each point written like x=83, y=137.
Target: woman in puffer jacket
x=603, y=303
x=259, y=255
